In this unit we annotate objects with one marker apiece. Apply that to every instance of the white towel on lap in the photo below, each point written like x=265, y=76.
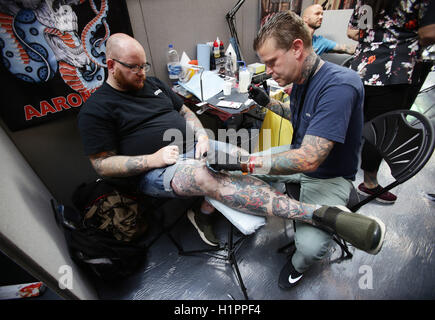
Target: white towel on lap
x=246, y=223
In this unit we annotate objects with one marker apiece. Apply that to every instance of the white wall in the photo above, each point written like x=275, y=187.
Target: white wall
x=334, y=27
x=28, y=232
x=184, y=23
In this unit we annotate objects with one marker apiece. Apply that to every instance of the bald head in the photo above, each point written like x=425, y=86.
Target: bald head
x=310, y=9
x=123, y=53
x=313, y=16
x=120, y=44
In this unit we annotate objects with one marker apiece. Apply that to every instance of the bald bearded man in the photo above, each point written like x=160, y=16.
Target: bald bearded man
x=313, y=17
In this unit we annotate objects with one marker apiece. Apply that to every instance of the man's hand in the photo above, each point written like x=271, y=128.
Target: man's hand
x=165, y=156
x=202, y=147
x=258, y=95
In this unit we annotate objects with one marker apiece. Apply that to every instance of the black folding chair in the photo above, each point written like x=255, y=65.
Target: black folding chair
x=347, y=62
x=405, y=139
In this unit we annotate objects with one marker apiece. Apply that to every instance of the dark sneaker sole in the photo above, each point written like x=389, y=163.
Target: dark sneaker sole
x=377, y=198
x=381, y=241
x=191, y=217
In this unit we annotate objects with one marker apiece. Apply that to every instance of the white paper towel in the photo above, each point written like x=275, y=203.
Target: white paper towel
x=246, y=223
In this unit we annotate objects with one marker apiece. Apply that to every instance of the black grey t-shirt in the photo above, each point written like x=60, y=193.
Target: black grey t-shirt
x=132, y=123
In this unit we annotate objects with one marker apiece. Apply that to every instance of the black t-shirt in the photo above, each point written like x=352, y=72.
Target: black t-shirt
x=132, y=123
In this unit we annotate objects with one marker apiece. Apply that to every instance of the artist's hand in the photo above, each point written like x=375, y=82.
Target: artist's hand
x=255, y=165
x=258, y=95
x=201, y=147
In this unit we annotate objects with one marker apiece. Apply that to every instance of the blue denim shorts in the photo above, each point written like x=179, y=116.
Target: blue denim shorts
x=157, y=182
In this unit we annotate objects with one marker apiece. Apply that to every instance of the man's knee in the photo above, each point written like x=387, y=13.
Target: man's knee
x=312, y=242
x=194, y=176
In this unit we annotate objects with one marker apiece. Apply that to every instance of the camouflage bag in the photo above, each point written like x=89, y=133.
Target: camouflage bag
x=117, y=214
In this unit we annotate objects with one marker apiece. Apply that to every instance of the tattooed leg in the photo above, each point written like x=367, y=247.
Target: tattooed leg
x=243, y=193
x=371, y=179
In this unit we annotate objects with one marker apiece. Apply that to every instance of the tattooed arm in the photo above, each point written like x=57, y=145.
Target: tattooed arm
x=202, y=146
x=193, y=121
x=109, y=164
x=280, y=108
x=307, y=158
x=344, y=48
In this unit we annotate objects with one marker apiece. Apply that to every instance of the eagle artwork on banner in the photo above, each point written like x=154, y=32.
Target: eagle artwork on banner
x=53, y=55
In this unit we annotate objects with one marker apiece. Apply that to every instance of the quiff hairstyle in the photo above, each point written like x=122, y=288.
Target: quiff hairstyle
x=284, y=27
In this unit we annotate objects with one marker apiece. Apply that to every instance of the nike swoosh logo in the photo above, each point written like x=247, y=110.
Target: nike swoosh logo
x=291, y=280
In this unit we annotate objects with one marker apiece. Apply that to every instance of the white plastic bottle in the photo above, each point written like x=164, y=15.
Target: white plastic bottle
x=244, y=79
x=173, y=63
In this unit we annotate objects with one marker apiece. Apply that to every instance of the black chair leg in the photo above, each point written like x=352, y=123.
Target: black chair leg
x=344, y=248
x=230, y=249
x=233, y=261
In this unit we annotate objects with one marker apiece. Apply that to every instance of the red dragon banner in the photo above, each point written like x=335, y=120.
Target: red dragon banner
x=53, y=55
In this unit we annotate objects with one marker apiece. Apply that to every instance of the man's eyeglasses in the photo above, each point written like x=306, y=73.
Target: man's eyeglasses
x=135, y=67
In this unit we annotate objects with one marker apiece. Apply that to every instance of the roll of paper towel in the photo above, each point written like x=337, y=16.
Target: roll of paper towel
x=203, y=55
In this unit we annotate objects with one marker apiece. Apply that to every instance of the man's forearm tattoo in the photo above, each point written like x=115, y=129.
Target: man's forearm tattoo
x=308, y=157
x=109, y=164
x=280, y=108
x=193, y=121
x=136, y=165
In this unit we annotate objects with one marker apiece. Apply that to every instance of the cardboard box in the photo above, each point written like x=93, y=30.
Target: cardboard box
x=256, y=68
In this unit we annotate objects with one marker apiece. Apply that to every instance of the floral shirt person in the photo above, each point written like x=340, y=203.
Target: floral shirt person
x=387, y=53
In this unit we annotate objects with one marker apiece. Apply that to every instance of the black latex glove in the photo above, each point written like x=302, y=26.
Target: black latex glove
x=258, y=95
x=230, y=163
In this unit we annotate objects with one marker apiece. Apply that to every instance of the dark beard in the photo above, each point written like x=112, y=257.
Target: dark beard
x=124, y=84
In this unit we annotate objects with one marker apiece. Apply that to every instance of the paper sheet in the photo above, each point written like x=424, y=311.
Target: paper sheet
x=212, y=84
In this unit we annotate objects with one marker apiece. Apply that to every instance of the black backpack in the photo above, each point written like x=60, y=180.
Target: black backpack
x=97, y=250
